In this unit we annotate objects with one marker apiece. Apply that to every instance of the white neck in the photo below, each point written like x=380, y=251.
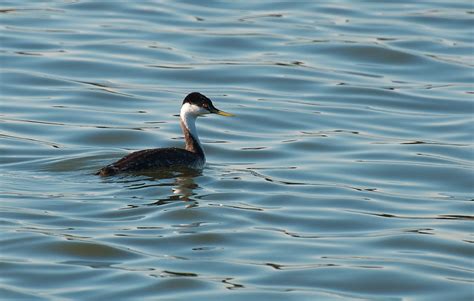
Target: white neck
x=188, y=116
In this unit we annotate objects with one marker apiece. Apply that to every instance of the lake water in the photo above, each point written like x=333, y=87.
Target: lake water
x=346, y=175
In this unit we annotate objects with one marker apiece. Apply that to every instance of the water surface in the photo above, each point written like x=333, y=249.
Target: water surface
x=347, y=173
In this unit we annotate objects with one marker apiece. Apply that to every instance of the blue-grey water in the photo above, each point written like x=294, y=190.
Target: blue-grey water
x=346, y=175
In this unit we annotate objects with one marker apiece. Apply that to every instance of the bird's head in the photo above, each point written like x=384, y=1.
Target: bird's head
x=197, y=104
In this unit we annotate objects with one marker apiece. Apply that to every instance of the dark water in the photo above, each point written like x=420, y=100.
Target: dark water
x=347, y=173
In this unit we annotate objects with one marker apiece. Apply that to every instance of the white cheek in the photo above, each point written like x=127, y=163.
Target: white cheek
x=199, y=110
x=204, y=111
x=193, y=110
x=187, y=110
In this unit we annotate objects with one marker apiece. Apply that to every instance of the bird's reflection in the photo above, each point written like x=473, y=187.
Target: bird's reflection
x=182, y=186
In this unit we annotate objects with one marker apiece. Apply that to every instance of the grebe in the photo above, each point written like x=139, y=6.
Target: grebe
x=194, y=105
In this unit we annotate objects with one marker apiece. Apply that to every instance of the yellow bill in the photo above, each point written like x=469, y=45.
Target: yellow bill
x=222, y=113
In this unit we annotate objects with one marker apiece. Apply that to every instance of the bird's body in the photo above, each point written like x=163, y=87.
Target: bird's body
x=154, y=160
x=194, y=105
